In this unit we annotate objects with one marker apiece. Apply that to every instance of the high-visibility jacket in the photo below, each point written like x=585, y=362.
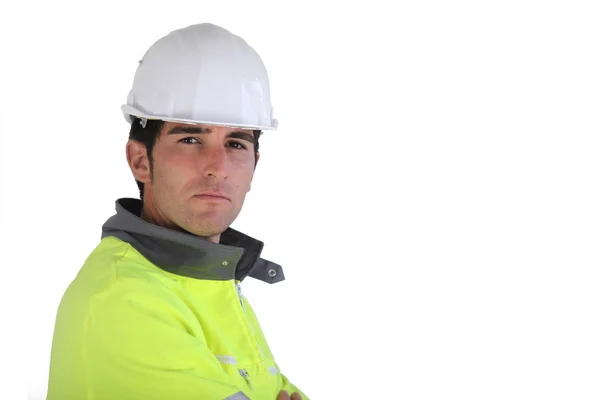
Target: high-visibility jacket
x=158, y=314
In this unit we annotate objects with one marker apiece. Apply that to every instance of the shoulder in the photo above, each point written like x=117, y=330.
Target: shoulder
x=116, y=272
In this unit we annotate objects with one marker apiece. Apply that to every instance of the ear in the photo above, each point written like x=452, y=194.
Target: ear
x=138, y=161
x=257, y=158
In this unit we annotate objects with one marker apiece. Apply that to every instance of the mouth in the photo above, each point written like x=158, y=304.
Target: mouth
x=212, y=196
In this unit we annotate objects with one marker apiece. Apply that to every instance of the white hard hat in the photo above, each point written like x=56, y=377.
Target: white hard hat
x=202, y=74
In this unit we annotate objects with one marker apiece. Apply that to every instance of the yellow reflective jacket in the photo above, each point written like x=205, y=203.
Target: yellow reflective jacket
x=158, y=314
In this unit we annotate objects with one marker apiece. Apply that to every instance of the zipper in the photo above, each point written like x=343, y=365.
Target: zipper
x=245, y=375
x=238, y=289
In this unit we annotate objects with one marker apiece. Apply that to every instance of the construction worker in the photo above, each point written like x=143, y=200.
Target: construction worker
x=156, y=311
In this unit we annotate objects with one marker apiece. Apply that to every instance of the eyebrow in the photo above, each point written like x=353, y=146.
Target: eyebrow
x=198, y=130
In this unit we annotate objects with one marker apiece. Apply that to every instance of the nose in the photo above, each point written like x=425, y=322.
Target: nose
x=216, y=163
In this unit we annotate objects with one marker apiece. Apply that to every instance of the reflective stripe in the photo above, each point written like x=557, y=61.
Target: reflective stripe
x=238, y=396
x=227, y=360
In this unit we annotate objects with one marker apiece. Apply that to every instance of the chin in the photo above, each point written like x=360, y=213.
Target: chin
x=206, y=228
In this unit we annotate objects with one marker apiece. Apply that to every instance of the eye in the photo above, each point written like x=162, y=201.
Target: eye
x=187, y=139
x=241, y=146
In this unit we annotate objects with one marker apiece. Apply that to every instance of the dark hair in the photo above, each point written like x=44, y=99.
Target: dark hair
x=148, y=134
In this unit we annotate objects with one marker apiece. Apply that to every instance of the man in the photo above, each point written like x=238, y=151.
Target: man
x=156, y=311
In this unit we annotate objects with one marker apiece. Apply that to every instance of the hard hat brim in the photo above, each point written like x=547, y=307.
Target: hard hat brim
x=130, y=110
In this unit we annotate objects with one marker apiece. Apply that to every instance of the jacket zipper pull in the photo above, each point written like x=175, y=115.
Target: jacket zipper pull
x=246, y=377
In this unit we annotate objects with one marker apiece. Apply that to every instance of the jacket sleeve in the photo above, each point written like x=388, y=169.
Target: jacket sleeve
x=137, y=345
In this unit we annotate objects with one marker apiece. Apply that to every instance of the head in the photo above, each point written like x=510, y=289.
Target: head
x=174, y=164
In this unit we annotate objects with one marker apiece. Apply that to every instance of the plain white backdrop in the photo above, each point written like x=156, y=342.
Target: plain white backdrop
x=432, y=192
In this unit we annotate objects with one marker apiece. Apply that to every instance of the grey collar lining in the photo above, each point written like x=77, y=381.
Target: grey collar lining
x=236, y=256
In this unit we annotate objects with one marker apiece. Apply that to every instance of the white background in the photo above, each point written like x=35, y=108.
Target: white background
x=432, y=192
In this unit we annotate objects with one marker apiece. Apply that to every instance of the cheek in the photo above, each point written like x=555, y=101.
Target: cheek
x=239, y=184
x=176, y=169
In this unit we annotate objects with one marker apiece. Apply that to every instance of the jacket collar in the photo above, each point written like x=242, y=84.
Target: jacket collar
x=236, y=256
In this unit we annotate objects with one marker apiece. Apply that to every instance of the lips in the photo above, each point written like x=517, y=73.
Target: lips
x=213, y=195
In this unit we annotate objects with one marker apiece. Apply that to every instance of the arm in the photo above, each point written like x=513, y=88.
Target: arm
x=136, y=345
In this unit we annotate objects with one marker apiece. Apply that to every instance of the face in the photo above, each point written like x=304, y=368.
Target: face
x=200, y=177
